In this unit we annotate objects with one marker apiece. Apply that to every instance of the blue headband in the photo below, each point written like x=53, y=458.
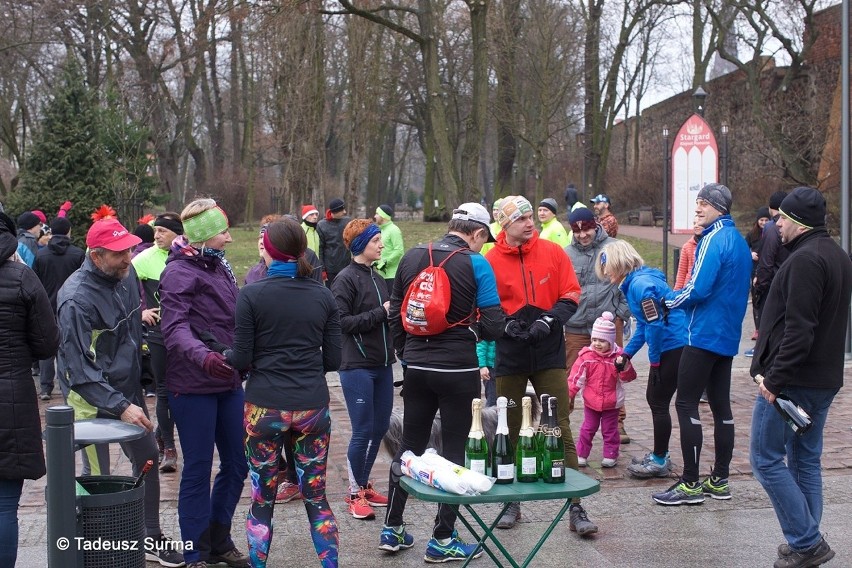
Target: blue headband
x=360, y=242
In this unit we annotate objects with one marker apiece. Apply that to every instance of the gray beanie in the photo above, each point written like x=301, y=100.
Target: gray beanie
x=718, y=196
x=550, y=203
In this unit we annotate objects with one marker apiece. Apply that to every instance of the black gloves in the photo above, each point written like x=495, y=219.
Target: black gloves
x=538, y=330
x=212, y=343
x=654, y=374
x=621, y=362
x=541, y=328
x=516, y=330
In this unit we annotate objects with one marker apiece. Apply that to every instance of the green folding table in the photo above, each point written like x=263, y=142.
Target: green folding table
x=576, y=485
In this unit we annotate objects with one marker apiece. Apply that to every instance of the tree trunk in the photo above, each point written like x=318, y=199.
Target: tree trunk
x=475, y=127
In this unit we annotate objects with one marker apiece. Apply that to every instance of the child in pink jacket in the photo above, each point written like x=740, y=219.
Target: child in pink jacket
x=594, y=372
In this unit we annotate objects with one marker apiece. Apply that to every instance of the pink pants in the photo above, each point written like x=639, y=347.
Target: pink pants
x=608, y=422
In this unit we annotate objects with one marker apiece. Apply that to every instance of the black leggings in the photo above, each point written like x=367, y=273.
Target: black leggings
x=426, y=392
x=699, y=370
x=165, y=423
x=659, y=396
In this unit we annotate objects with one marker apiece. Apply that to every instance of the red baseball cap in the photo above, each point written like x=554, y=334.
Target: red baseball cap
x=111, y=235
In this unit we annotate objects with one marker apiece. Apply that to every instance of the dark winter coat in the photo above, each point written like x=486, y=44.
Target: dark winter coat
x=197, y=294
x=770, y=256
x=803, y=323
x=55, y=263
x=27, y=332
x=361, y=292
x=333, y=253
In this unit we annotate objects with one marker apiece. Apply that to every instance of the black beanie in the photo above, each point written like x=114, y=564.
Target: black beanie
x=28, y=220
x=6, y=223
x=387, y=209
x=60, y=226
x=805, y=206
x=776, y=198
x=762, y=212
x=336, y=205
x=144, y=232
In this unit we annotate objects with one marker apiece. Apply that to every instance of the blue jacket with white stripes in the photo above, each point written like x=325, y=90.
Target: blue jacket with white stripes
x=716, y=295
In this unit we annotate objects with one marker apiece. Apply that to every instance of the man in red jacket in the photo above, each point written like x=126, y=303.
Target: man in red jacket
x=539, y=291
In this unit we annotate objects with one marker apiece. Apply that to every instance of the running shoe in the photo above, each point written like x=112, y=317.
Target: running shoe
x=392, y=541
x=648, y=467
x=359, y=508
x=716, y=488
x=374, y=498
x=287, y=492
x=456, y=549
x=682, y=492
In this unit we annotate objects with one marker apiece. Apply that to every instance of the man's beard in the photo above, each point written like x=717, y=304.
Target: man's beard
x=117, y=273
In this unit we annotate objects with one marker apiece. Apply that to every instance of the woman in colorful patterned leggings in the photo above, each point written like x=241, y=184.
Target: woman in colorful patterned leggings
x=289, y=346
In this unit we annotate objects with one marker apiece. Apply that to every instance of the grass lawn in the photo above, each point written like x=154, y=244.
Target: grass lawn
x=242, y=253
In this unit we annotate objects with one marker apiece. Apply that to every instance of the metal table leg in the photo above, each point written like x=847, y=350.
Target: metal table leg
x=488, y=534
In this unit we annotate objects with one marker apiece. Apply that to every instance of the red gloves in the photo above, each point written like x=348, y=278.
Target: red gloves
x=64, y=209
x=217, y=367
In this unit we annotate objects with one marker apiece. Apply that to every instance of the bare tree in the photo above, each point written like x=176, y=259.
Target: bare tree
x=777, y=94
x=461, y=183
x=606, y=96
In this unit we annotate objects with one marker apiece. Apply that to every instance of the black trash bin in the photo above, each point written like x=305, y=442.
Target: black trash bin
x=111, y=522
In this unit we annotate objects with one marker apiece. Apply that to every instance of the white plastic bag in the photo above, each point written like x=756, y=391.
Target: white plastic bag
x=437, y=472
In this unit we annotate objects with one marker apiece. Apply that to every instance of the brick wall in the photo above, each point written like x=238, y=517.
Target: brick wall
x=807, y=112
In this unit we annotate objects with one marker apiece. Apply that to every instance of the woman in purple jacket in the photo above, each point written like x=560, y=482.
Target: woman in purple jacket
x=198, y=298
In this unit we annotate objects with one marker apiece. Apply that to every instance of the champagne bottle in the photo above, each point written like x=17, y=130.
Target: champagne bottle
x=794, y=415
x=476, y=448
x=553, y=456
x=502, y=456
x=542, y=423
x=526, y=454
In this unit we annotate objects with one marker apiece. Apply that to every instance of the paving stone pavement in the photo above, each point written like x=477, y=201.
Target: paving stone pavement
x=634, y=531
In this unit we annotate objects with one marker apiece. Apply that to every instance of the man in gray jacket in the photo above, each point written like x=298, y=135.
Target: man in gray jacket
x=99, y=353
x=598, y=296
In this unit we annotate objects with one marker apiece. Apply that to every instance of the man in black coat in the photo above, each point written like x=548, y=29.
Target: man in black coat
x=770, y=256
x=800, y=356
x=333, y=253
x=53, y=265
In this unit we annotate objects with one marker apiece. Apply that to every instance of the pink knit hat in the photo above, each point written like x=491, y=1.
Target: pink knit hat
x=604, y=328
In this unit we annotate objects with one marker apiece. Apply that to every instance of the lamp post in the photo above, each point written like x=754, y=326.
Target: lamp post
x=725, y=155
x=666, y=157
x=699, y=97
x=581, y=143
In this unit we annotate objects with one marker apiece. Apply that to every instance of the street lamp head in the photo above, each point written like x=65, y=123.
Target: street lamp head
x=725, y=128
x=699, y=96
x=665, y=131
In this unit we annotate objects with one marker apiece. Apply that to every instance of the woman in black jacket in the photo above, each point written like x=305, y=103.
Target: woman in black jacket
x=28, y=333
x=366, y=375
x=288, y=333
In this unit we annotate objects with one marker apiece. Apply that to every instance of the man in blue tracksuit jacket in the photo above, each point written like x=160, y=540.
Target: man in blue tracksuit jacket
x=714, y=300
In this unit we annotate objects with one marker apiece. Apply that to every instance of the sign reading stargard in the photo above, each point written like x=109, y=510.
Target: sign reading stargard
x=695, y=163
